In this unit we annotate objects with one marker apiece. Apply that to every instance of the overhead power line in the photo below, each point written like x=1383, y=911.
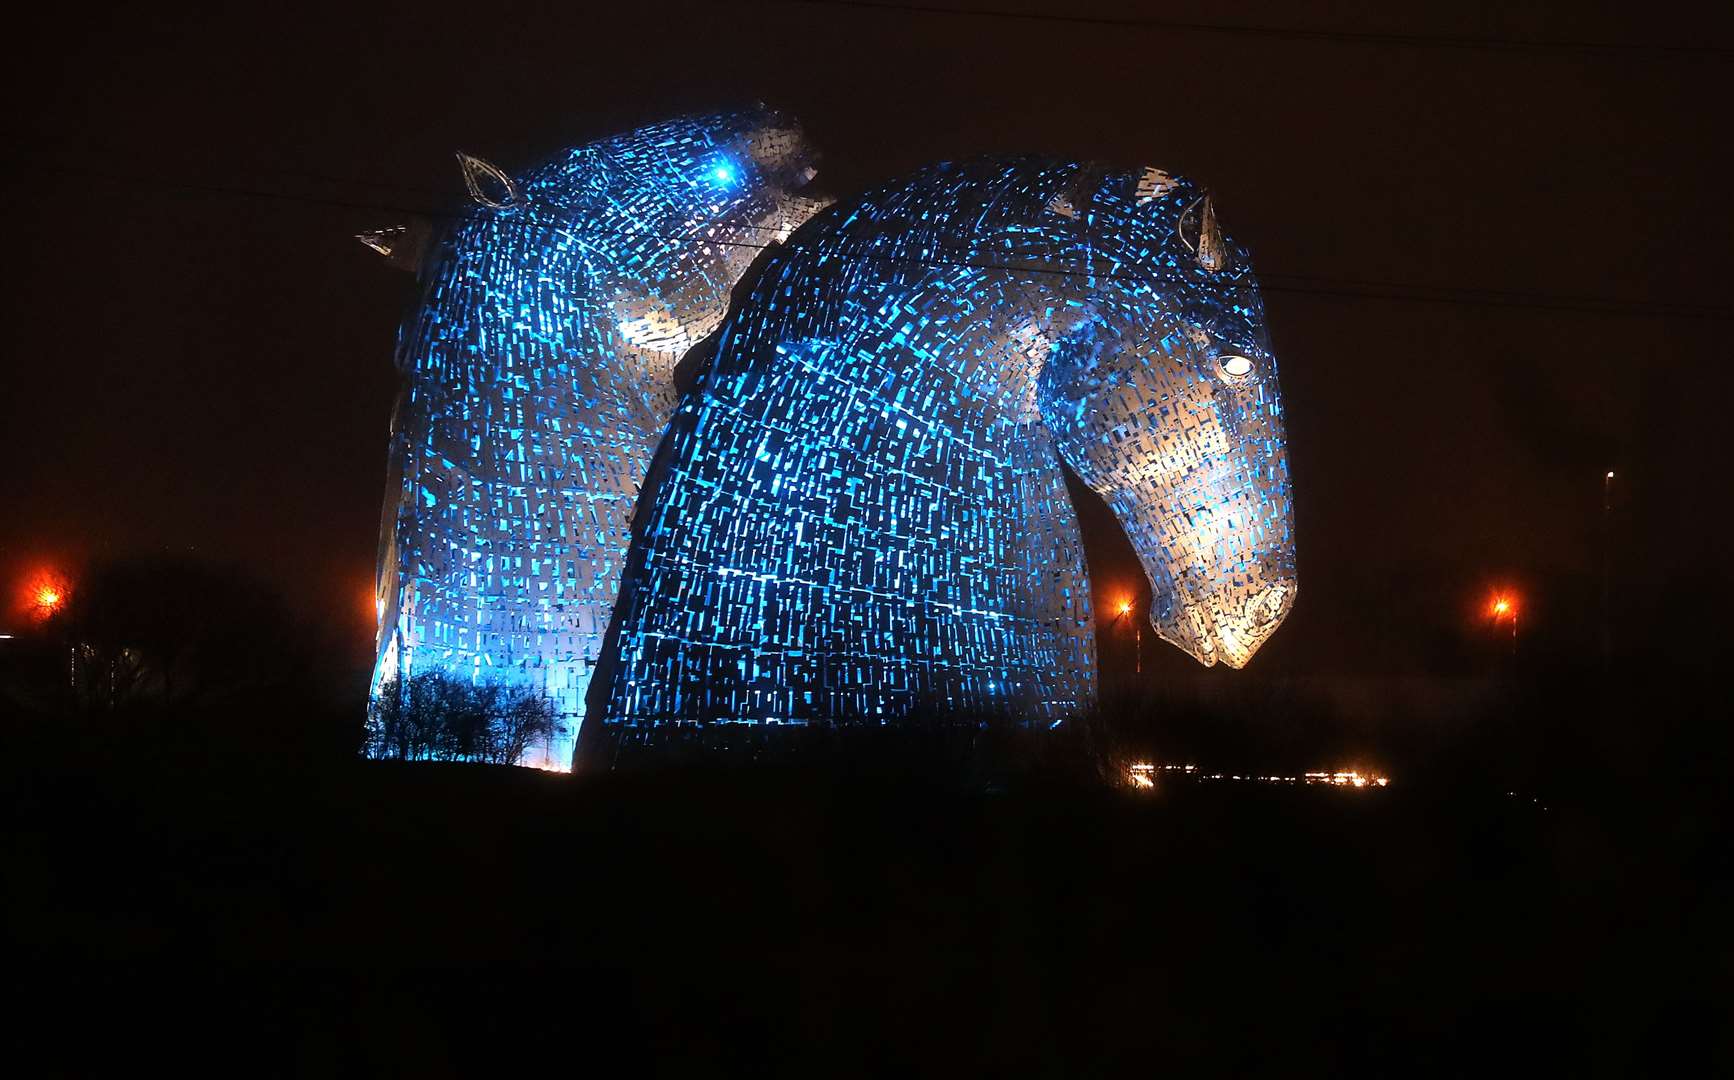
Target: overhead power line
x=1293, y=33
x=1275, y=282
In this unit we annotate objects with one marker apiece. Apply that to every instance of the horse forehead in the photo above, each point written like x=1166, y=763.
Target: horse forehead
x=641, y=161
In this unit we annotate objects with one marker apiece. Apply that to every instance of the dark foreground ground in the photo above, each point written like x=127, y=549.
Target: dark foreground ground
x=440, y=920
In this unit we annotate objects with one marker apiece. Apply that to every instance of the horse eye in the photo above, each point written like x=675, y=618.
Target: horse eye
x=1235, y=367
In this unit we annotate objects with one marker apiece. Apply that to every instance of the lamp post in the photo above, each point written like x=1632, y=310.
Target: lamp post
x=1137, y=636
x=1607, y=562
x=1503, y=606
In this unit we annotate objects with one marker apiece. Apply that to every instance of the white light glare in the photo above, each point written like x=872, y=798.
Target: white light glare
x=1236, y=367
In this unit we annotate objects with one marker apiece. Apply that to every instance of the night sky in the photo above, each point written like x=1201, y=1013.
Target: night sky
x=1492, y=273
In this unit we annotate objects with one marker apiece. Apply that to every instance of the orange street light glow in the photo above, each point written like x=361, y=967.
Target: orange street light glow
x=1505, y=607
x=47, y=600
x=45, y=593
x=1125, y=607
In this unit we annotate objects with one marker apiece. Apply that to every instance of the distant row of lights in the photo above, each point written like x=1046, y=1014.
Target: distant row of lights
x=1143, y=775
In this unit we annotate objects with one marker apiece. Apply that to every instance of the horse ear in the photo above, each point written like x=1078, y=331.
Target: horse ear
x=1075, y=198
x=401, y=245
x=1153, y=183
x=1062, y=204
x=487, y=183
x=1210, y=250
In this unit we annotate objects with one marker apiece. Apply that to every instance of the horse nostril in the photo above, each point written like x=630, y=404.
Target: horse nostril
x=1269, y=606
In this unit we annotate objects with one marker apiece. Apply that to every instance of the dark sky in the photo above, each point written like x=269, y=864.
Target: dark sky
x=187, y=367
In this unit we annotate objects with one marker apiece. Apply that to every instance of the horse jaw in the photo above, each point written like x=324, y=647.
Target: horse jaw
x=1217, y=549
x=1196, y=472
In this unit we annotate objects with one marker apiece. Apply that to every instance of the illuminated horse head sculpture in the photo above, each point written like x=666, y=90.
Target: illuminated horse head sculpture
x=865, y=514
x=539, y=380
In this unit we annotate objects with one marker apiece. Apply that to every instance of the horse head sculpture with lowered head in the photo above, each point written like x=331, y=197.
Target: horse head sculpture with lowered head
x=865, y=516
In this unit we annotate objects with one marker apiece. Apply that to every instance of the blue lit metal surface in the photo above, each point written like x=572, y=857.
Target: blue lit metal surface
x=865, y=516
x=539, y=379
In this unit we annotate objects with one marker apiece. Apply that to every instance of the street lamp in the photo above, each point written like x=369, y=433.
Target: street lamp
x=1137, y=636
x=48, y=600
x=1503, y=606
